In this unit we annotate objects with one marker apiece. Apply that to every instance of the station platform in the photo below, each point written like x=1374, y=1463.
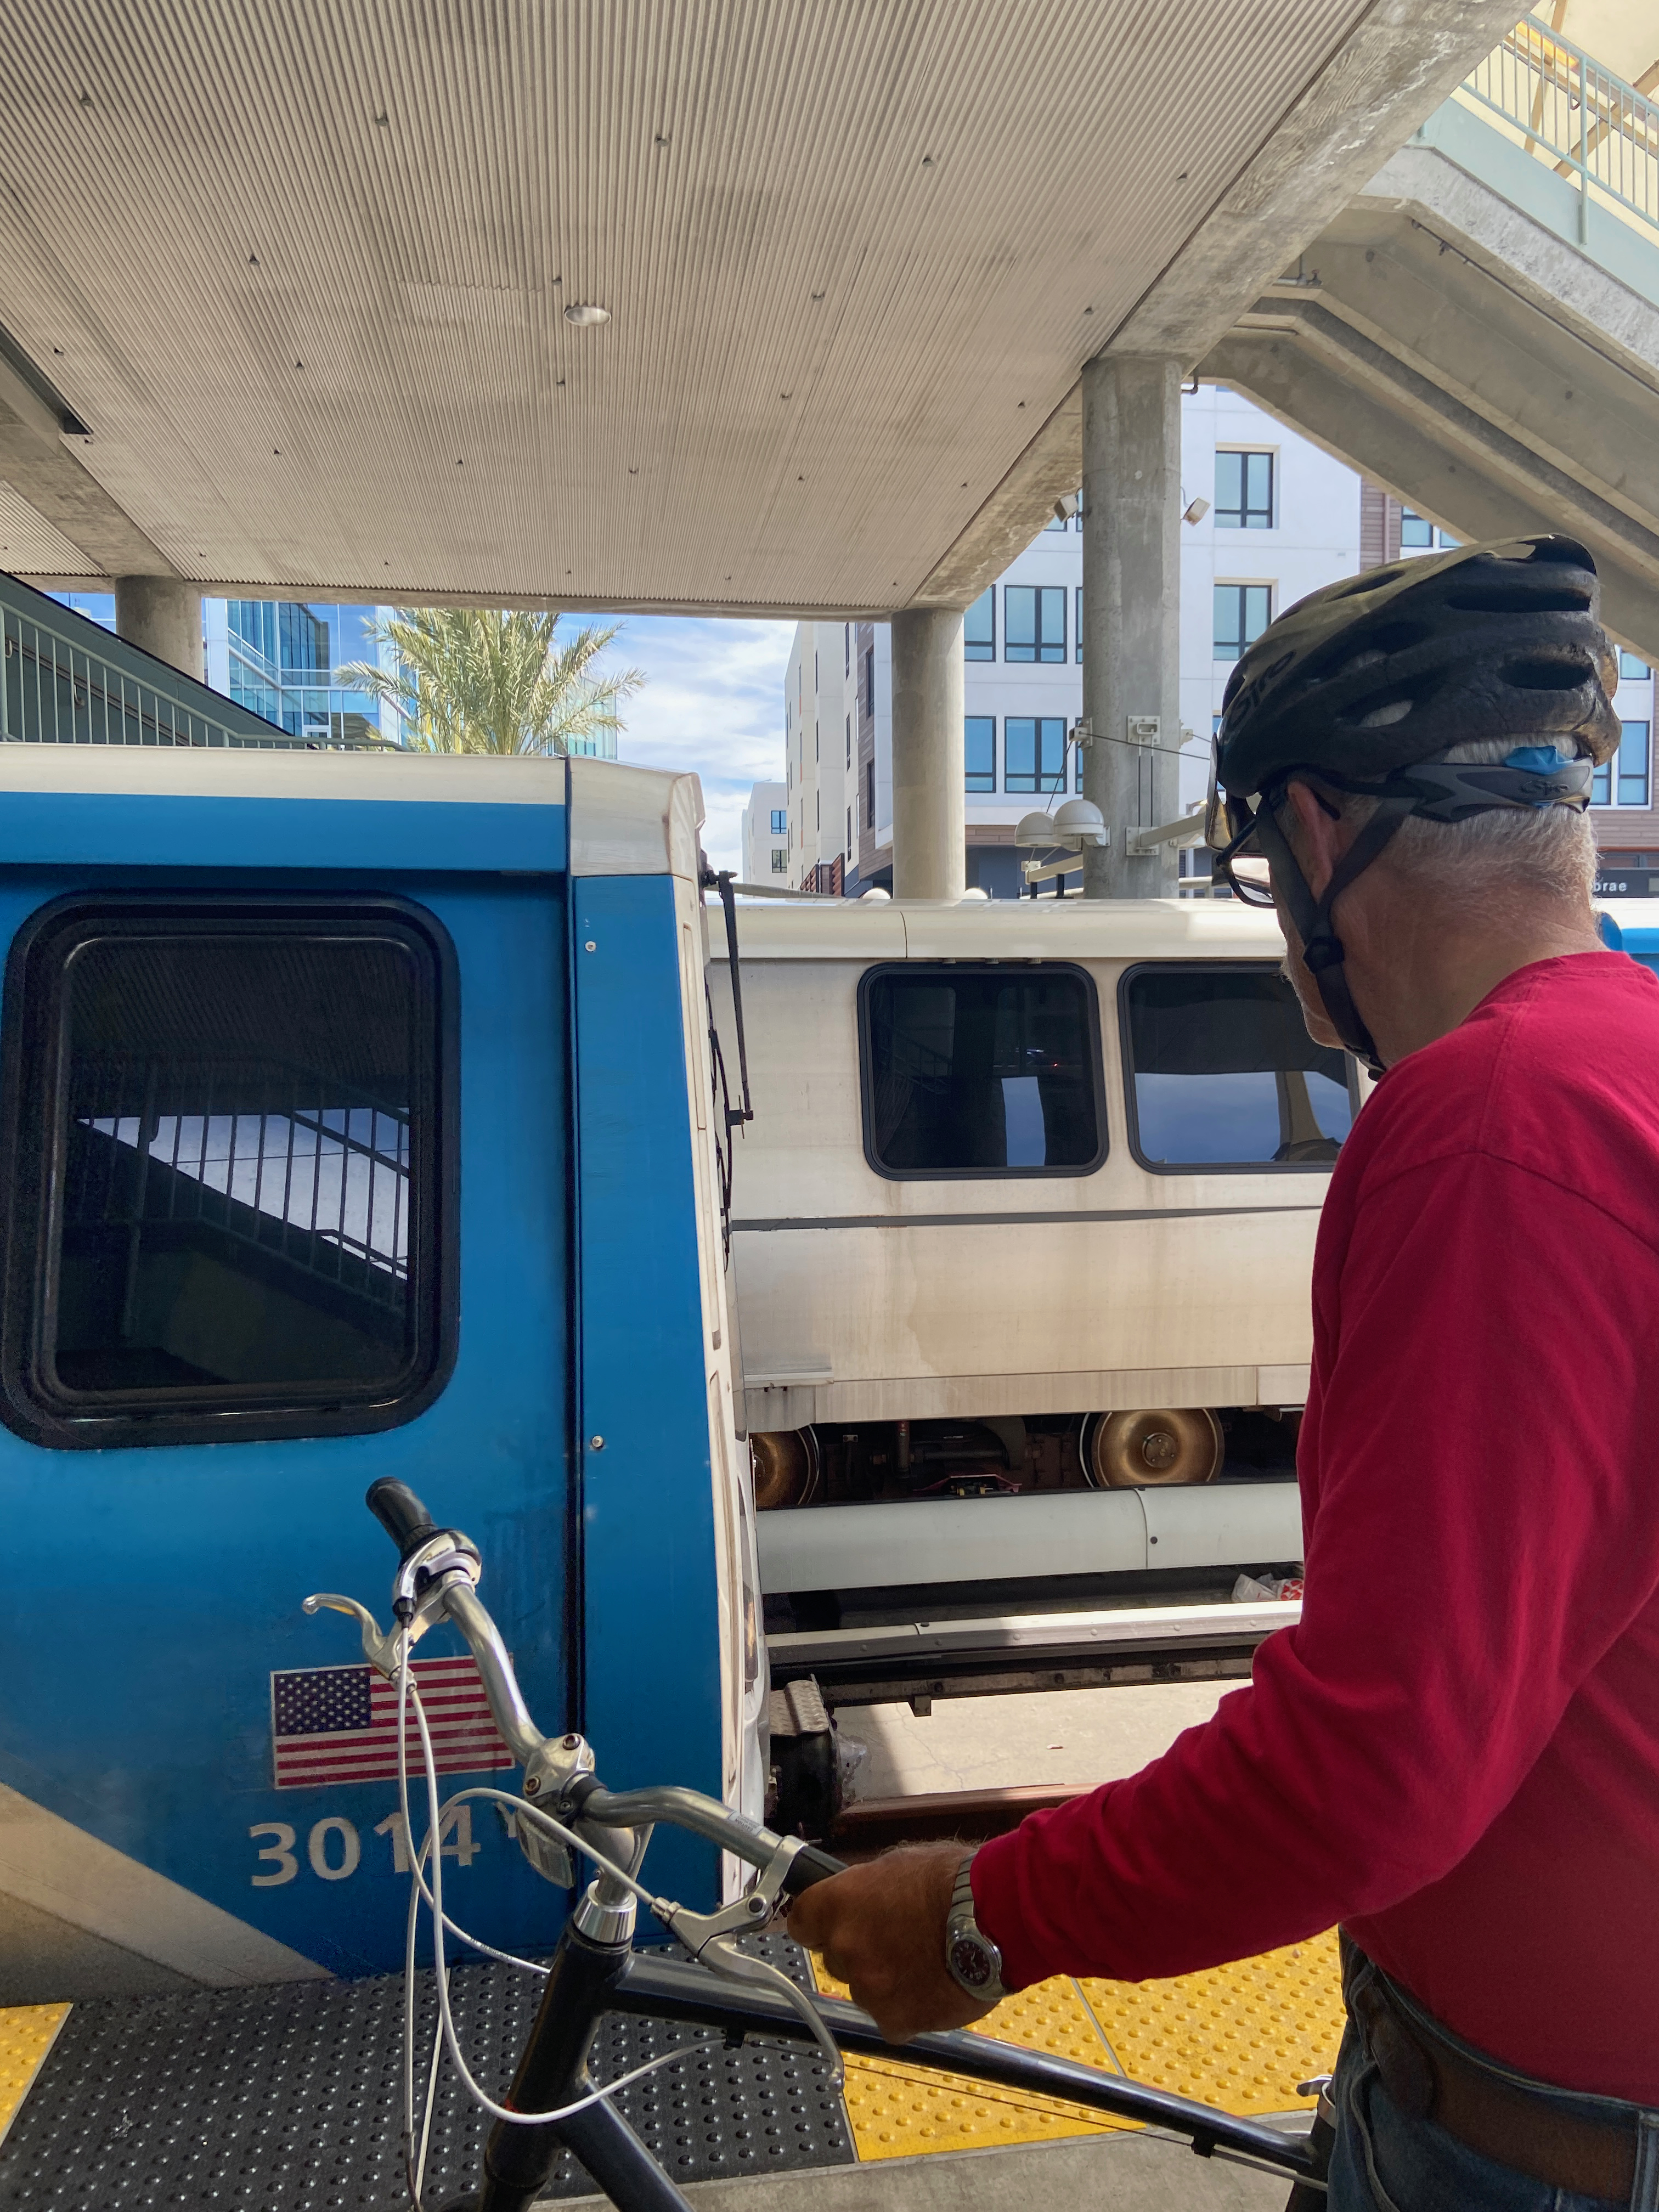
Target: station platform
x=289, y=2099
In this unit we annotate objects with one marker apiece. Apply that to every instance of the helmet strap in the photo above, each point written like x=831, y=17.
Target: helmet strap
x=1322, y=948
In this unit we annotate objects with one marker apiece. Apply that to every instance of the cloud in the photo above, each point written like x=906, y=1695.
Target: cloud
x=712, y=703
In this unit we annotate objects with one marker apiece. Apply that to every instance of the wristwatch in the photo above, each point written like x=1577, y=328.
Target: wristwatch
x=973, y=1959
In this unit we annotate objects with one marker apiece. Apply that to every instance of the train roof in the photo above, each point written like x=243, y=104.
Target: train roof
x=1000, y=929
x=621, y=820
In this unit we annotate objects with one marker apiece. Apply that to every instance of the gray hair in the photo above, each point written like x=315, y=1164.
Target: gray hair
x=1526, y=851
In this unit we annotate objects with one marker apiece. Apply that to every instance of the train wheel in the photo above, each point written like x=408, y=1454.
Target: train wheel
x=786, y=1464
x=1132, y=1451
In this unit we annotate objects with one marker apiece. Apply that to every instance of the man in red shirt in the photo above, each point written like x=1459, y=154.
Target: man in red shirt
x=1455, y=1753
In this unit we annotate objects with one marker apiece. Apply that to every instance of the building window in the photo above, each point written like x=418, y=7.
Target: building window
x=1416, y=531
x=1034, y=752
x=1633, y=775
x=849, y=833
x=847, y=648
x=1242, y=611
x=979, y=628
x=1632, y=670
x=870, y=680
x=1077, y=625
x=1034, y=621
x=979, y=1071
x=869, y=795
x=1244, y=491
x=233, y=1154
x=850, y=741
x=1221, y=1072
x=980, y=747
x=780, y=861
x=779, y=821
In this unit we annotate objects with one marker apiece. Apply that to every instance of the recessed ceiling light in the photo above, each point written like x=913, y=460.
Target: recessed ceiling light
x=585, y=314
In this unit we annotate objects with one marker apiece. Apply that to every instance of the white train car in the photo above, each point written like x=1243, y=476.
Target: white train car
x=1021, y=1239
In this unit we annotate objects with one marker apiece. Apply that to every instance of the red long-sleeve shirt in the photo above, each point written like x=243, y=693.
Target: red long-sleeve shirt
x=1456, y=1752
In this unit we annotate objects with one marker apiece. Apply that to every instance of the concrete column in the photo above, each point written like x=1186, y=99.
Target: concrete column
x=930, y=813
x=1130, y=611
x=162, y=615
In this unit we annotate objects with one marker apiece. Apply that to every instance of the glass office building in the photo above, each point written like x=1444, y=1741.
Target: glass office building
x=285, y=659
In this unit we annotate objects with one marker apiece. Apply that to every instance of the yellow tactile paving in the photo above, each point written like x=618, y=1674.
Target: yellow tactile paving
x=1240, y=2037
x=26, y=2033
x=898, y=2111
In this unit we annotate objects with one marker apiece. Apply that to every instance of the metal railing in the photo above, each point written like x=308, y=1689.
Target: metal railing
x=65, y=680
x=296, y=1163
x=1578, y=115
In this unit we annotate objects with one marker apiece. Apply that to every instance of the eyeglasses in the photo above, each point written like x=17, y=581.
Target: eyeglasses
x=1245, y=873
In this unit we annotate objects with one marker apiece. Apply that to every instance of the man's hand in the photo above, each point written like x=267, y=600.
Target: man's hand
x=880, y=1929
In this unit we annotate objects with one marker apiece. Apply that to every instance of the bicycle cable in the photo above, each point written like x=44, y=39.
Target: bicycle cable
x=446, y=2038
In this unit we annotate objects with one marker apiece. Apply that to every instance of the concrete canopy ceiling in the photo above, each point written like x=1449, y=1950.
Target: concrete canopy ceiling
x=300, y=271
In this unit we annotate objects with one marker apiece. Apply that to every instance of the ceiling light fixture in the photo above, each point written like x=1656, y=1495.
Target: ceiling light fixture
x=586, y=315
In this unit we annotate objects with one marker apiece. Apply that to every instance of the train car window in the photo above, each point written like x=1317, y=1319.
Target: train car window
x=971, y=1071
x=231, y=1132
x=1222, y=1072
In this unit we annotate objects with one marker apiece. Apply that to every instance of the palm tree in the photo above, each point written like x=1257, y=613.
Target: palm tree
x=477, y=680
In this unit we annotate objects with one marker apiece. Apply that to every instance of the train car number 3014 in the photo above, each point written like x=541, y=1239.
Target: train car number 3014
x=334, y=1849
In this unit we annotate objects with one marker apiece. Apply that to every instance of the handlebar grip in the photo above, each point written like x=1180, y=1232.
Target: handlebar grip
x=399, y=1512
x=808, y=1867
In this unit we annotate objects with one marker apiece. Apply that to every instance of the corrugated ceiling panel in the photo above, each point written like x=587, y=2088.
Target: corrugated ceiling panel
x=30, y=545
x=302, y=269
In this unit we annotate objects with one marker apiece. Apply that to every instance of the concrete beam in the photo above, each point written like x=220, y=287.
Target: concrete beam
x=162, y=615
x=1131, y=612
x=1401, y=59
x=929, y=802
x=1593, y=414
x=38, y=465
x=1368, y=410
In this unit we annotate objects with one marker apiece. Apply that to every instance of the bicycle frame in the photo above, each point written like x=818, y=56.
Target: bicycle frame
x=589, y=1979
x=596, y=1970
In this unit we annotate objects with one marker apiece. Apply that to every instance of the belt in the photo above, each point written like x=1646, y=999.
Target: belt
x=1515, y=2127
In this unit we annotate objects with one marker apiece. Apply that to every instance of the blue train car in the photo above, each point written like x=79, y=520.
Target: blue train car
x=1631, y=925
x=357, y=1123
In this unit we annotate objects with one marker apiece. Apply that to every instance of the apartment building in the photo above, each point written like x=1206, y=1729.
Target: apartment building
x=764, y=837
x=821, y=732
x=1280, y=518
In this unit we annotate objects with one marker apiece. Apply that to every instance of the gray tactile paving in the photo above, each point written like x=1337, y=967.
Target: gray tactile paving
x=290, y=2099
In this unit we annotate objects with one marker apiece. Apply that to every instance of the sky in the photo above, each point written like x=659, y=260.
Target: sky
x=712, y=703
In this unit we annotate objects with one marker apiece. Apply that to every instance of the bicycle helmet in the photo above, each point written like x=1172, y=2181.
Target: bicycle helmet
x=1366, y=685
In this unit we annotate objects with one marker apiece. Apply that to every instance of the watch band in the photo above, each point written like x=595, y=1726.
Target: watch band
x=973, y=1961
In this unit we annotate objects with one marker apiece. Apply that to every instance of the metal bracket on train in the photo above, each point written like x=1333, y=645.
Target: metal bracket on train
x=806, y=1778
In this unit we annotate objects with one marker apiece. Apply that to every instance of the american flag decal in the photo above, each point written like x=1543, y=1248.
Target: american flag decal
x=331, y=1724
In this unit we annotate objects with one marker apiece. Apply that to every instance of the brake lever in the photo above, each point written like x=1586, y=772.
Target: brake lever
x=705, y=1937
x=380, y=1651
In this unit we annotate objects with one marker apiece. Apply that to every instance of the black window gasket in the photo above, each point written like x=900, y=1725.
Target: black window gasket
x=917, y=970
x=1127, y=1051
x=30, y=1124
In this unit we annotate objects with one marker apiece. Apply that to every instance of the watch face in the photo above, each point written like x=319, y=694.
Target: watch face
x=970, y=1962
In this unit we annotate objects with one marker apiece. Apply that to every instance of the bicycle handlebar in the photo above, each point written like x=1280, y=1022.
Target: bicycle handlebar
x=399, y=1512
x=409, y=1524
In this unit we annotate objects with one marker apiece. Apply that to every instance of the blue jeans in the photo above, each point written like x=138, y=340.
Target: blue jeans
x=1385, y=2162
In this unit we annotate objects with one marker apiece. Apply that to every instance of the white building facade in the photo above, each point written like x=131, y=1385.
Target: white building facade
x=1281, y=518
x=765, y=835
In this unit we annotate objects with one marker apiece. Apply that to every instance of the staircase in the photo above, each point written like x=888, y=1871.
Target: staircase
x=67, y=681
x=1479, y=330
